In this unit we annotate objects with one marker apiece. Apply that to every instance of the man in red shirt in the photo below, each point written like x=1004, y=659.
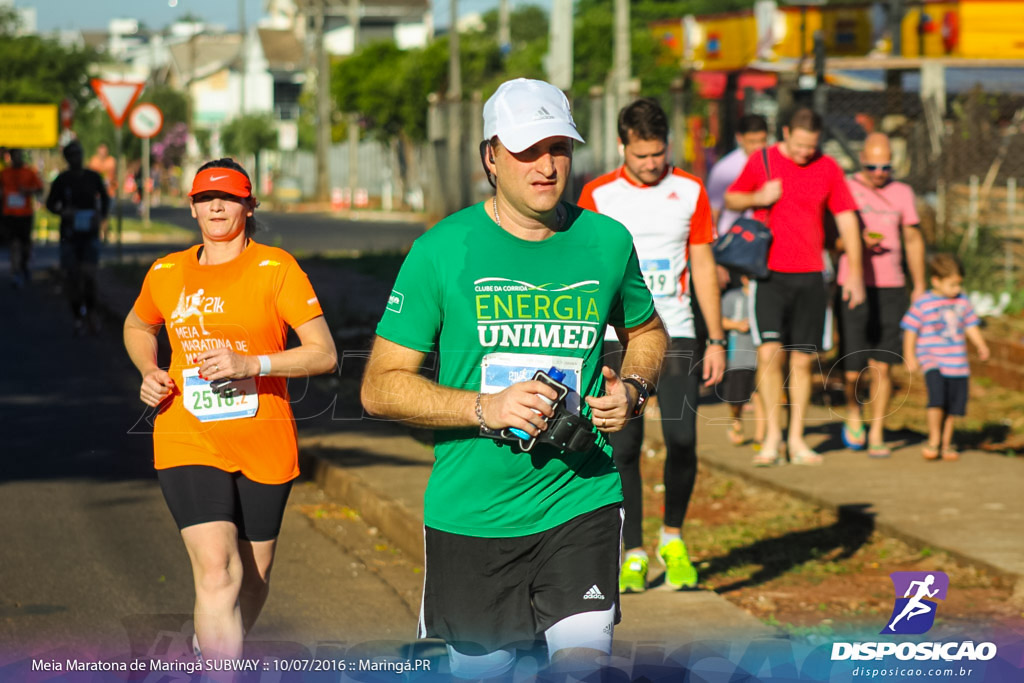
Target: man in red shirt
x=790, y=305
x=19, y=184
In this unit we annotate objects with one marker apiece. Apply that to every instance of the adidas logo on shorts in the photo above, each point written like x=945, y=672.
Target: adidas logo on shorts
x=593, y=594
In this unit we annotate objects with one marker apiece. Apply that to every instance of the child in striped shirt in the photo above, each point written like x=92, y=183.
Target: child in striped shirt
x=936, y=330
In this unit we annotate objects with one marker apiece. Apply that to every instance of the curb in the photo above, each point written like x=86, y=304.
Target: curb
x=393, y=519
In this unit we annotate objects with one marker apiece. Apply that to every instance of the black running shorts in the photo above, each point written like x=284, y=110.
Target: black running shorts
x=791, y=309
x=486, y=594
x=872, y=331
x=198, y=493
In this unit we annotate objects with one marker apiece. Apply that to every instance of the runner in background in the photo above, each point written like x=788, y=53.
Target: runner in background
x=79, y=196
x=869, y=334
x=667, y=212
x=105, y=164
x=224, y=437
x=19, y=187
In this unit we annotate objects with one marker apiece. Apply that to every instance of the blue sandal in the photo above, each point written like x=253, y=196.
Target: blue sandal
x=854, y=440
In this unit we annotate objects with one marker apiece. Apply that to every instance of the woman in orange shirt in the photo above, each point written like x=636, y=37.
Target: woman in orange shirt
x=224, y=437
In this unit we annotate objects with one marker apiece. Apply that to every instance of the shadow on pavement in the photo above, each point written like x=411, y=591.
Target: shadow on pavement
x=782, y=554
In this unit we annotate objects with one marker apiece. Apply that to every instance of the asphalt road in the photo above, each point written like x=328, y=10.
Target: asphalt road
x=90, y=560
x=305, y=233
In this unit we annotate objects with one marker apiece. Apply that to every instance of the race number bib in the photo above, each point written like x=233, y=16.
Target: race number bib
x=501, y=370
x=85, y=220
x=207, y=406
x=658, y=276
x=14, y=200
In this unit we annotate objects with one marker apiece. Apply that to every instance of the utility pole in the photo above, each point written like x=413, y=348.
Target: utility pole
x=504, y=29
x=323, y=106
x=455, y=179
x=560, y=44
x=622, y=57
x=243, y=53
x=353, y=117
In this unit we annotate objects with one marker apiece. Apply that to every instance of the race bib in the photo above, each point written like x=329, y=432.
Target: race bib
x=501, y=370
x=658, y=276
x=14, y=200
x=85, y=221
x=207, y=406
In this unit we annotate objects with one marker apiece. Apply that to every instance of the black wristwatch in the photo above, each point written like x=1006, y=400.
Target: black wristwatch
x=643, y=392
x=718, y=342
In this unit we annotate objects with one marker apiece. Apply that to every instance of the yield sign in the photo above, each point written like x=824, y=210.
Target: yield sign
x=117, y=97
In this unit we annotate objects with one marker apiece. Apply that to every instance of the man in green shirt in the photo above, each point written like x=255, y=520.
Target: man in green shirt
x=518, y=542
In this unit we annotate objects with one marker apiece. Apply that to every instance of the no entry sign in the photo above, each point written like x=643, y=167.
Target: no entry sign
x=146, y=120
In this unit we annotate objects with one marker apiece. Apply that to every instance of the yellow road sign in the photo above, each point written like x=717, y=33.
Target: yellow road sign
x=32, y=126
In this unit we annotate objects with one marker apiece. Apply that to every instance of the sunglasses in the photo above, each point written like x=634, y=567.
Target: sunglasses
x=878, y=167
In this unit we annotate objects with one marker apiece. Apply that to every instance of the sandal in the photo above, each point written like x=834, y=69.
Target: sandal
x=950, y=454
x=930, y=452
x=805, y=457
x=767, y=458
x=736, y=436
x=854, y=440
x=879, y=450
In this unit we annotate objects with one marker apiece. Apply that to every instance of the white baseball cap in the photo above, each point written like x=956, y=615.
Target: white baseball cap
x=522, y=112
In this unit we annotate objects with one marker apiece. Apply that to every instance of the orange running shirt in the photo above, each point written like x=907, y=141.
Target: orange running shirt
x=247, y=303
x=15, y=182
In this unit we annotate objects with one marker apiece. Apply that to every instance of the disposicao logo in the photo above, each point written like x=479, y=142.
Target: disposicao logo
x=914, y=612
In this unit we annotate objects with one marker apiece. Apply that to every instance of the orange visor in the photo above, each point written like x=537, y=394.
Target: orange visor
x=221, y=180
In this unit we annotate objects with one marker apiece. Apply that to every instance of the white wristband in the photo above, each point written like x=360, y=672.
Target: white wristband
x=264, y=365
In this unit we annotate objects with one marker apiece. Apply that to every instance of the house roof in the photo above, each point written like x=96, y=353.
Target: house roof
x=282, y=49
x=205, y=54
x=369, y=8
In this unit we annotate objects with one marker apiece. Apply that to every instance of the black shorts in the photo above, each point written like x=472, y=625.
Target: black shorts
x=737, y=385
x=872, y=331
x=76, y=251
x=17, y=228
x=791, y=309
x=486, y=594
x=948, y=393
x=198, y=493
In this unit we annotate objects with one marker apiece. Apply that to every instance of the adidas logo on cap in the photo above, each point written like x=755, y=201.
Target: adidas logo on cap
x=542, y=113
x=594, y=593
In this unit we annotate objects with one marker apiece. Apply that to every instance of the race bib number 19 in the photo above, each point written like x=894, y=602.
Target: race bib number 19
x=207, y=406
x=658, y=276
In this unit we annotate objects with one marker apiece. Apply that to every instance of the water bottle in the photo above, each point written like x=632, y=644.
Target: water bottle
x=553, y=374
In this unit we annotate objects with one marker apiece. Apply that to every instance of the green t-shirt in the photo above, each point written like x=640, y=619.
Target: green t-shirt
x=477, y=294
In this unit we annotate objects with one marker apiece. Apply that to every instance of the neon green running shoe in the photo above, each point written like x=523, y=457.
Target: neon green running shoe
x=633, y=577
x=680, y=573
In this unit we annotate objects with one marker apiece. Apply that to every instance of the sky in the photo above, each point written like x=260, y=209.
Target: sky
x=95, y=14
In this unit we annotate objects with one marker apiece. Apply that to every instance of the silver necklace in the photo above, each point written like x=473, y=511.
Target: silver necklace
x=559, y=216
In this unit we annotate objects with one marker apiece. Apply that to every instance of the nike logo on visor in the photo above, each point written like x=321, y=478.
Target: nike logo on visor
x=215, y=178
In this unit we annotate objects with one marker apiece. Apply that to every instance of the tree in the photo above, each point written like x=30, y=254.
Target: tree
x=250, y=134
x=39, y=70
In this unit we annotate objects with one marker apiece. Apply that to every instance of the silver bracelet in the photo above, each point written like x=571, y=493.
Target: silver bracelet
x=264, y=365
x=480, y=413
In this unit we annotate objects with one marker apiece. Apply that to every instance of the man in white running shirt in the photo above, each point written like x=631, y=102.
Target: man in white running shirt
x=668, y=214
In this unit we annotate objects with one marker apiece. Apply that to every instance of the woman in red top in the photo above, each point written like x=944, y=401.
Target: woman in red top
x=224, y=437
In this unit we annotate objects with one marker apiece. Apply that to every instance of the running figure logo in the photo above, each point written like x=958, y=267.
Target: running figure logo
x=188, y=306
x=914, y=612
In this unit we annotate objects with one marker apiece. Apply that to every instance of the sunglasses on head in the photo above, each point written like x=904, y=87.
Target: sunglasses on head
x=878, y=167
